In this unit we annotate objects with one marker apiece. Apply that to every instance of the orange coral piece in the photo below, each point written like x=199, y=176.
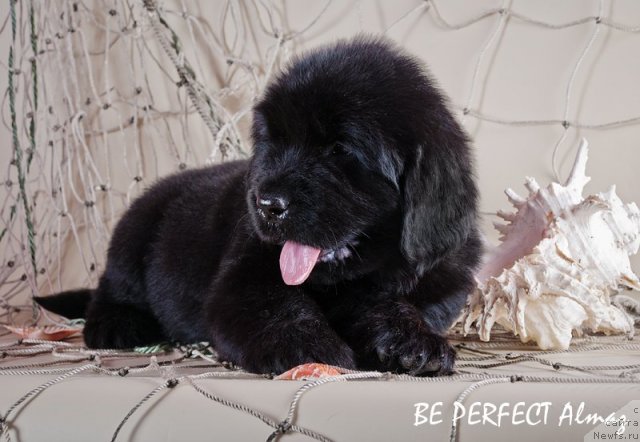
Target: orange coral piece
x=310, y=371
x=45, y=333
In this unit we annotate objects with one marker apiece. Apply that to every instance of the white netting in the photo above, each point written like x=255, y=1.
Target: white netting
x=105, y=96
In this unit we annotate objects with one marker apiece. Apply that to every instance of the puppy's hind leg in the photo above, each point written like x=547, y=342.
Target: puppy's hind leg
x=117, y=325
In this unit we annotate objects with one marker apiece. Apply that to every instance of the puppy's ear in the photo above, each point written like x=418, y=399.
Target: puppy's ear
x=440, y=199
x=259, y=127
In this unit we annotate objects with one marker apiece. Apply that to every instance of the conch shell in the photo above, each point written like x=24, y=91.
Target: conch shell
x=561, y=259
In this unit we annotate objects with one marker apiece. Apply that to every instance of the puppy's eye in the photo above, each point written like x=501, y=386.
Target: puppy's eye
x=338, y=149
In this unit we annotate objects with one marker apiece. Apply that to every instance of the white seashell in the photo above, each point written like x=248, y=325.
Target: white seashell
x=561, y=260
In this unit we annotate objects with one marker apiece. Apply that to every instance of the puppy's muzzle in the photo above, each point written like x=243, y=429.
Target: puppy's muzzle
x=273, y=208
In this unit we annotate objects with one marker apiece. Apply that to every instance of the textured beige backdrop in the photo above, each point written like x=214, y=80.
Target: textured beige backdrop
x=523, y=76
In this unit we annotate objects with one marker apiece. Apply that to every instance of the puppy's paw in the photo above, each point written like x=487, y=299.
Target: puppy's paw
x=330, y=350
x=393, y=336
x=279, y=352
x=415, y=352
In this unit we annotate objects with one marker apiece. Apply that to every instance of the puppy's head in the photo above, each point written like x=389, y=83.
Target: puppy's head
x=357, y=165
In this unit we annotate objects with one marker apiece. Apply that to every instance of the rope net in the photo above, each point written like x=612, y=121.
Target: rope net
x=480, y=364
x=103, y=98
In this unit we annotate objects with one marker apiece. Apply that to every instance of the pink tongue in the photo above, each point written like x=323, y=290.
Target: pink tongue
x=297, y=261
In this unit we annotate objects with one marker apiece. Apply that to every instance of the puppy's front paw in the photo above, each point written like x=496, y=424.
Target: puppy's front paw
x=393, y=336
x=321, y=345
x=278, y=352
x=416, y=352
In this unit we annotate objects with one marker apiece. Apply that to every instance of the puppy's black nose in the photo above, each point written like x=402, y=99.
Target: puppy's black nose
x=273, y=207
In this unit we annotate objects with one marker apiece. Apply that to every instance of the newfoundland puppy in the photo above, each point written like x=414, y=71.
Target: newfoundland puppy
x=349, y=238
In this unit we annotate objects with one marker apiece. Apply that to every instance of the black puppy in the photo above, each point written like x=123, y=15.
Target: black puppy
x=349, y=238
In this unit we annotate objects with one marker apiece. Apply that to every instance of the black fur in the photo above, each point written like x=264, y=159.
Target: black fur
x=360, y=142
x=72, y=303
